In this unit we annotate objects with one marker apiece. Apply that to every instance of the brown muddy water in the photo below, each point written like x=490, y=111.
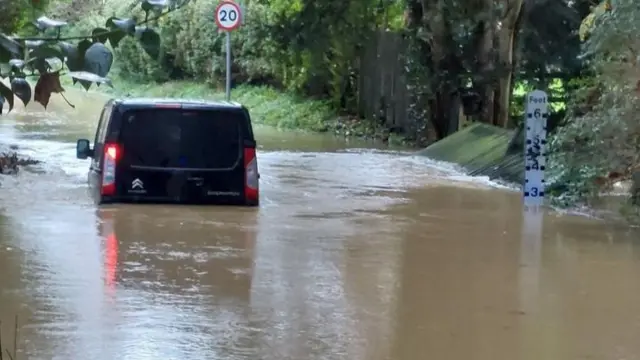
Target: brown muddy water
x=356, y=253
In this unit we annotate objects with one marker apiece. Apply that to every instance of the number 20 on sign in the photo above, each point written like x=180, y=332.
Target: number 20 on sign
x=228, y=15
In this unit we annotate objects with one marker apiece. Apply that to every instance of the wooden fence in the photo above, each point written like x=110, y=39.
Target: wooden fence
x=383, y=95
x=382, y=84
x=382, y=88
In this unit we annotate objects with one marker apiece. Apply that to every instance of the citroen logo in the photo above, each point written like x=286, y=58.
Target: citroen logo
x=137, y=184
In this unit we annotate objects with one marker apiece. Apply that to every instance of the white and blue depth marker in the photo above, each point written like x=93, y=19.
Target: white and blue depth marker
x=535, y=143
x=535, y=161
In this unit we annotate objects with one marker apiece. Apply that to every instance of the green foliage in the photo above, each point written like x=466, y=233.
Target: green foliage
x=316, y=48
x=268, y=106
x=548, y=43
x=285, y=112
x=302, y=46
x=601, y=135
x=193, y=46
x=137, y=64
x=15, y=15
x=556, y=89
x=418, y=81
x=88, y=57
x=317, y=43
x=588, y=23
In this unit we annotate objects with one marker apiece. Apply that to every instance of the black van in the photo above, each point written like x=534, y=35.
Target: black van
x=173, y=151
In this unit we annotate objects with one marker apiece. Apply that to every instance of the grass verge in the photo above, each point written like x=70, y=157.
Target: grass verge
x=268, y=106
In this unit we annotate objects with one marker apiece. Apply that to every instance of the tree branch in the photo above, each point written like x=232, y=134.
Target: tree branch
x=104, y=33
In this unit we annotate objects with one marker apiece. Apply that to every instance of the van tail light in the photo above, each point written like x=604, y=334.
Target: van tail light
x=112, y=152
x=251, y=184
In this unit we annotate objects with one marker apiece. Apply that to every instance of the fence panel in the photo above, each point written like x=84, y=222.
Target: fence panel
x=382, y=92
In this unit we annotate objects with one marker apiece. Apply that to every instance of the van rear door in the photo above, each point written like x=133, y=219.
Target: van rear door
x=181, y=155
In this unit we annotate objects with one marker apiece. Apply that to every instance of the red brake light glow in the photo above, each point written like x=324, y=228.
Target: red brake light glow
x=109, y=162
x=251, y=186
x=112, y=152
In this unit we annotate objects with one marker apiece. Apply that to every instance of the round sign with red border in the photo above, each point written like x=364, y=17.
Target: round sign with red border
x=228, y=15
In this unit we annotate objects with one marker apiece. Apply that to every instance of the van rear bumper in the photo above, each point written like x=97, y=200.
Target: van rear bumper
x=225, y=201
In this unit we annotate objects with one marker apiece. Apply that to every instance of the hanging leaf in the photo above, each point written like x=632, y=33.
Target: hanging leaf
x=10, y=45
x=47, y=50
x=83, y=46
x=75, y=54
x=53, y=64
x=98, y=59
x=115, y=38
x=177, y=4
x=85, y=84
x=92, y=78
x=36, y=64
x=68, y=49
x=155, y=5
x=100, y=35
x=126, y=27
x=47, y=84
x=138, y=33
x=21, y=89
x=150, y=41
x=5, y=70
x=5, y=55
x=16, y=65
x=32, y=44
x=70, y=52
x=44, y=23
x=7, y=95
x=38, y=57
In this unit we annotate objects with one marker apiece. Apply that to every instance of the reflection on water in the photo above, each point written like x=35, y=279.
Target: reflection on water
x=355, y=254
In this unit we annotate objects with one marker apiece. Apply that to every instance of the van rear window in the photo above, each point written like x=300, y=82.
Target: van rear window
x=178, y=138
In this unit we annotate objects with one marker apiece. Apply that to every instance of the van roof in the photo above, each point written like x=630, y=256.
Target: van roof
x=150, y=102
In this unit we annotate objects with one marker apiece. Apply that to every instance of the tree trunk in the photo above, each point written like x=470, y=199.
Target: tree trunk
x=434, y=106
x=506, y=40
x=484, y=38
x=484, y=72
x=433, y=20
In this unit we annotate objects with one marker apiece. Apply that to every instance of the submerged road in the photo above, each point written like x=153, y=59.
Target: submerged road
x=355, y=253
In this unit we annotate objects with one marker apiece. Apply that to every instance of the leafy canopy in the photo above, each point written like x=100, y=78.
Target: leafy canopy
x=601, y=134
x=87, y=59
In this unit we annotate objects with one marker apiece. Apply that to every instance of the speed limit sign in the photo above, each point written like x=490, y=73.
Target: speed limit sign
x=228, y=15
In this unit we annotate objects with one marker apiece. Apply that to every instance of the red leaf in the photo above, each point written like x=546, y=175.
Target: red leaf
x=47, y=84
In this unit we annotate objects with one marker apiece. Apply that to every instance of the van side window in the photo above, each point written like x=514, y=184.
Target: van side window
x=247, y=128
x=100, y=121
x=101, y=133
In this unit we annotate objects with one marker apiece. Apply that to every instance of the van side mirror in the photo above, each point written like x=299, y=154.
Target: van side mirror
x=83, y=149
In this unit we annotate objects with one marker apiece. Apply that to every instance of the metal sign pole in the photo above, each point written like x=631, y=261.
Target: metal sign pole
x=228, y=87
x=228, y=17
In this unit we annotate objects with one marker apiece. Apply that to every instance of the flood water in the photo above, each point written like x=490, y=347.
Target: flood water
x=355, y=253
